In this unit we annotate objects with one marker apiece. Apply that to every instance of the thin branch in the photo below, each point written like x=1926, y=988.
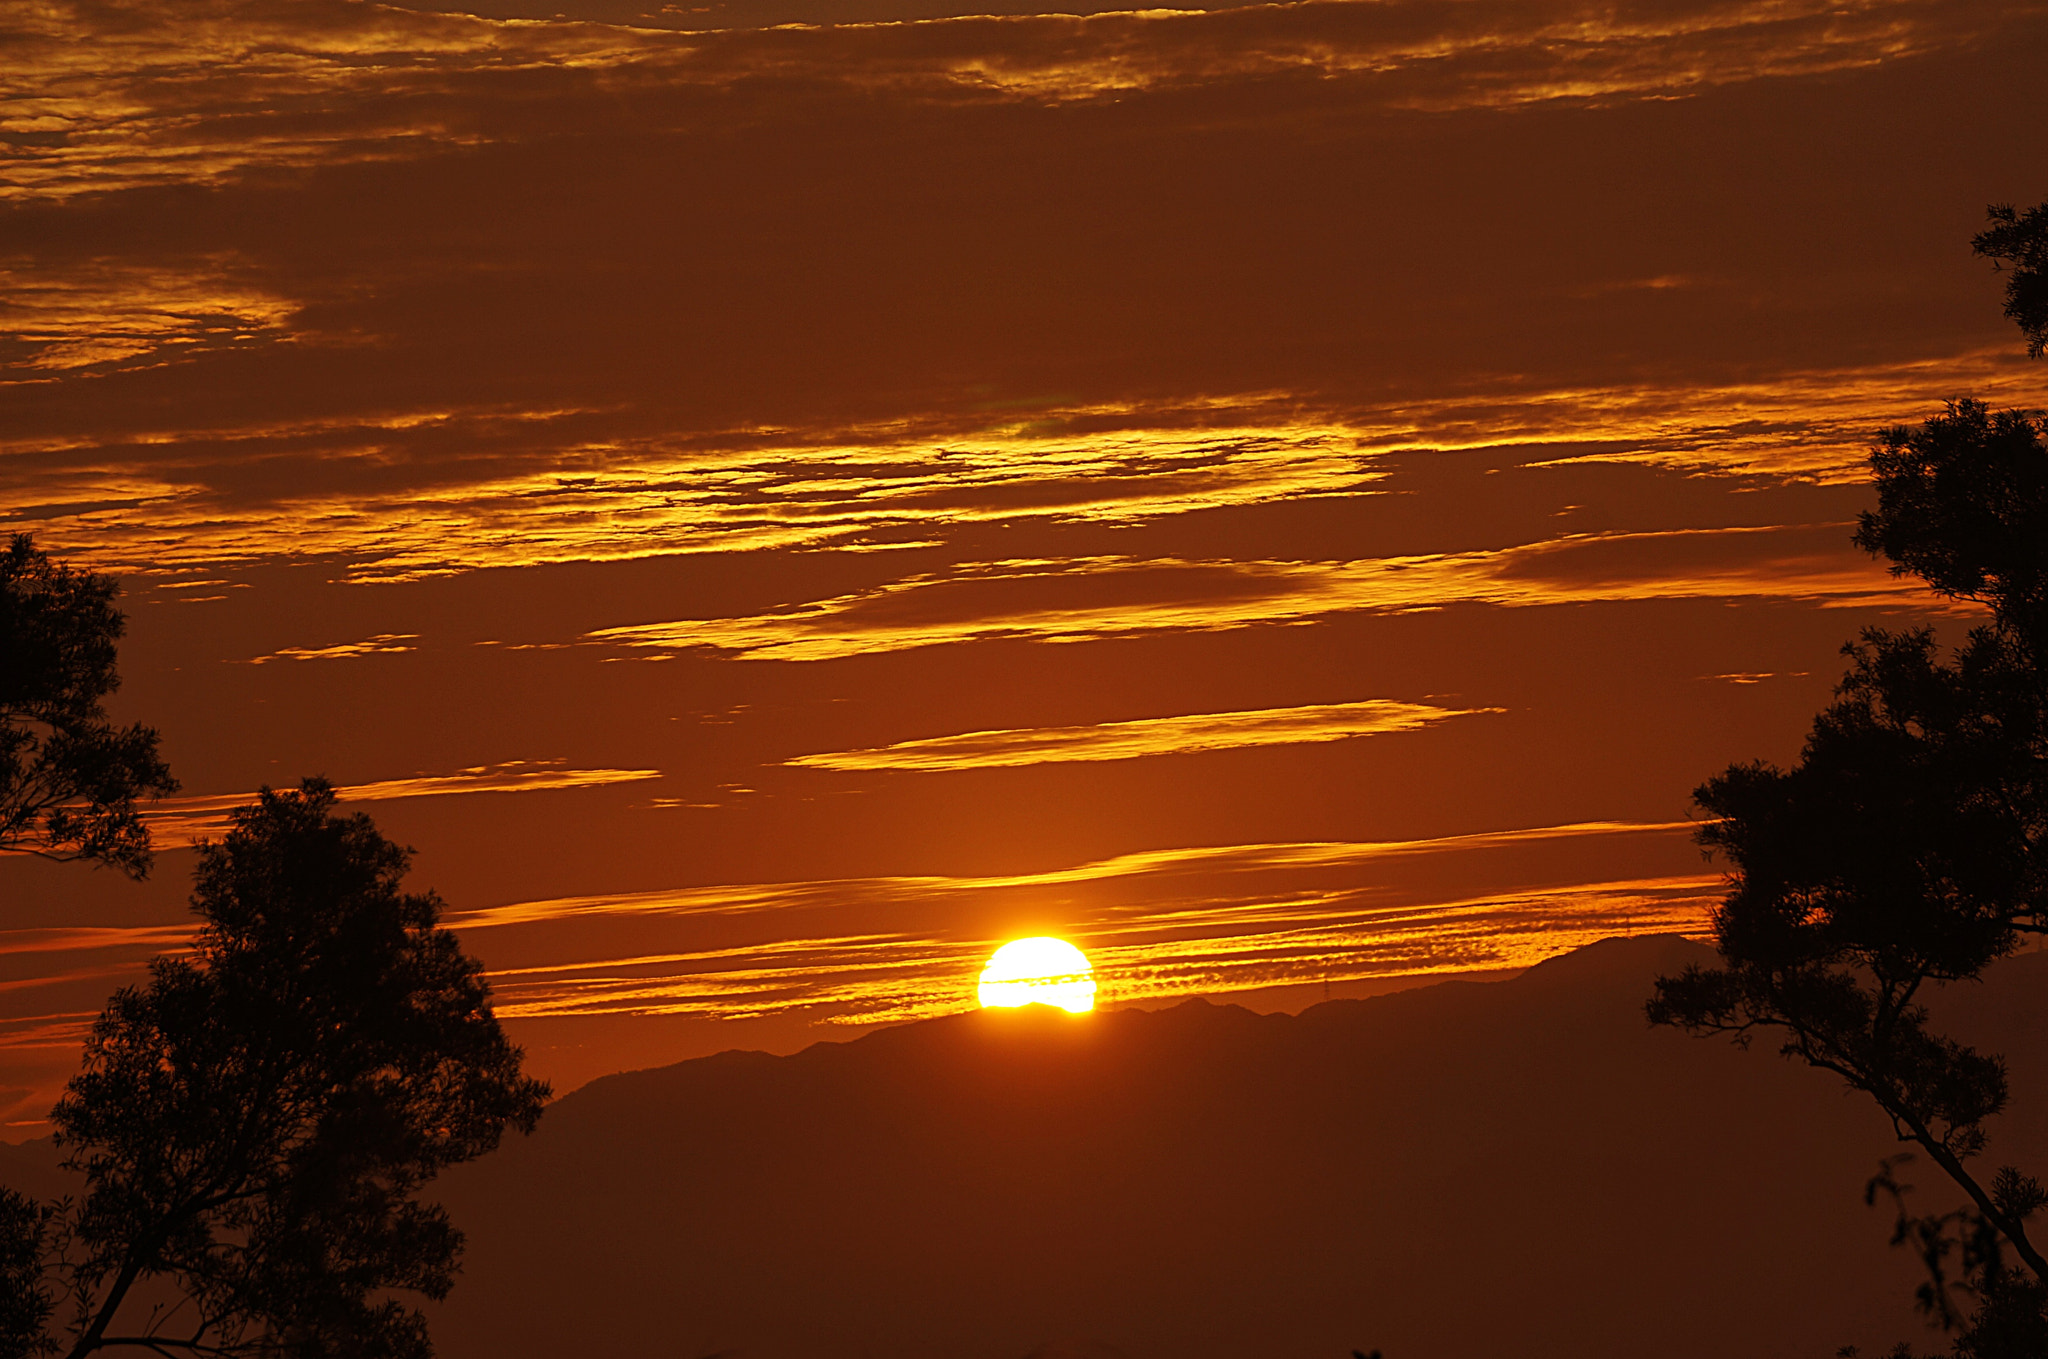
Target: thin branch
x=163, y=1346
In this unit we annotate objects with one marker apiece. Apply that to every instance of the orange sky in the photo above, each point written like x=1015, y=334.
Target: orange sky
x=1286, y=496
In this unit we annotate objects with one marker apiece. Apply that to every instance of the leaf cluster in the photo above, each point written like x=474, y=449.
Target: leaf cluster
x=1996, y=1312
x=1961, y=1250
x=2020, y=240
x=1962, y=499
x=69, y=777
x=25, y=1302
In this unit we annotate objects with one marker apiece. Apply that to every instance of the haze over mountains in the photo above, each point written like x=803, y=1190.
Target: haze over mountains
x=1514, y=1168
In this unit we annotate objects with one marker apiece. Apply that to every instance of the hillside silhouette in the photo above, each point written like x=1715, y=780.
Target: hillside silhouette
x=1518, y=1167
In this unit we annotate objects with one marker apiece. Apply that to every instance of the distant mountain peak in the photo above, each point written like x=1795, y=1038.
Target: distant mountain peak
x=1623, y=956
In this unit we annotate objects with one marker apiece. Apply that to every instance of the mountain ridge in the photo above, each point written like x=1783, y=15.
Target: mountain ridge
x=1205, y=1181
x=1461, y=1168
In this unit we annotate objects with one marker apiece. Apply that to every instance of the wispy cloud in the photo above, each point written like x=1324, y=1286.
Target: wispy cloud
x=114, y=95
x=894, y=977
x=1234, y=862
x=1156, y=924
x=1160, y=923
x=504, y=460
x=1086, y=598
x=90, y=938
x=207, y=814
x=102, y=312
x=590, y=486
x=383, y=643
x=109, y=96
x=46, y=1032
x=621, y=495
x=1135, y=739
x=1755, y=676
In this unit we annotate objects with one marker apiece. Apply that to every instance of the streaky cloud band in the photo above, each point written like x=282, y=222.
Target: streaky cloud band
x=1064, y=600
x=207, y=814
x=113, y=96
x=1138, y=738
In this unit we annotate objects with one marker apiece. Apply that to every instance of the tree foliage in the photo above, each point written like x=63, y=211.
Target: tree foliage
x=2020, y=240
x=1908, y=848
x=69, y=777
x=24, y=1300
x=1961, y=502
x=253, y=1125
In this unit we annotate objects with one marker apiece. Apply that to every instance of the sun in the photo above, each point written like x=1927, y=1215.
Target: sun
x=1039, y=971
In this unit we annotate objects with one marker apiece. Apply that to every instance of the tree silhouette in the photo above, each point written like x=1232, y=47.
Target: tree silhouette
x=254, y=1124
x=2021, y=240
x=24, y=1303
x=68, y=777
x=1908, y=848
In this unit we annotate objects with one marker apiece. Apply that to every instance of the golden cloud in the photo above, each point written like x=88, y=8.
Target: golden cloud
x=87, y=938
x=118, y=95
x=1233, y=862
x=1142, y=737
x=579, y=497
x=383, y=643
x=104, y=312
x=111, y=96
x=895, y=977
x=632, y=501
x=1156, y=924
x=207, y=814
x=1088, y=598
x=1165, y=923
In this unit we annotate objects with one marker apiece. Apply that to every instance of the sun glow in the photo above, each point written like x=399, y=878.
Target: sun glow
x=1039, y=971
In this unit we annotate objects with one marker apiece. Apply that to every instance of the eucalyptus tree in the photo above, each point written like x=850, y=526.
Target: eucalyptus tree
x=1908, y=847
x=253, y=1125
x=69, y=776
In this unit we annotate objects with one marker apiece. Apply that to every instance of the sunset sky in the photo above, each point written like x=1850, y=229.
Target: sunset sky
x=1291, y=498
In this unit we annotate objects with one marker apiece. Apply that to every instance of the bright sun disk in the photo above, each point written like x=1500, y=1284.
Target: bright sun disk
x=1039, y=971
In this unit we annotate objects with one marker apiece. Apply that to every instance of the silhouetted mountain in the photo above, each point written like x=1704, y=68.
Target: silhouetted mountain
x=1469, y=1169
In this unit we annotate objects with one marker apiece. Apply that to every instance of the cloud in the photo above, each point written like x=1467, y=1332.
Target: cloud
x=579, y=490
x=1089, y=598
x=371, y=343
x=114, y=95
x=104, y=312
x=120, y=95
x=1156, y=924
x=207, y=814
x=89, y=938
x=626, y=501
x=1411, y=56
x=51, y=1031
x=1226, y=861
x=102, y=972
x=896, y=977
x=1145, y=736
x=383, y=643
